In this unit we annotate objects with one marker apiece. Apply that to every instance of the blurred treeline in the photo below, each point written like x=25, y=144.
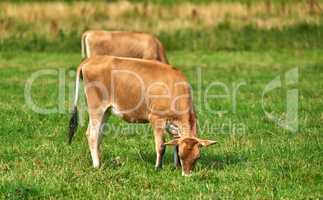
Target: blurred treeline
x=180, y=24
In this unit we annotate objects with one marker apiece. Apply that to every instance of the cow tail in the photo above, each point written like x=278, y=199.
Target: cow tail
x=74, y=118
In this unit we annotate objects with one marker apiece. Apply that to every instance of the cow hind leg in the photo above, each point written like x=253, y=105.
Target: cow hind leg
x=94, y=135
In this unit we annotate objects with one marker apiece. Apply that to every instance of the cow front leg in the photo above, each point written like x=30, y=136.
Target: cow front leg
x=160, y=150
x=159, y=142
x=173, y=130
x=177, y=162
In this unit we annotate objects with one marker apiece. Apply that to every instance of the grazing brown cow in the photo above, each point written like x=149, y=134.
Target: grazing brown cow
x=139, y=91
x=123, y=44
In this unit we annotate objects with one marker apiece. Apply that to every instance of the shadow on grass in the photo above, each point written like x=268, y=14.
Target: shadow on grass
x=220, y=161
x=18, y=191
x=208, y=161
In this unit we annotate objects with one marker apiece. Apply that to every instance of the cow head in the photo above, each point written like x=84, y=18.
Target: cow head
x=189, y=151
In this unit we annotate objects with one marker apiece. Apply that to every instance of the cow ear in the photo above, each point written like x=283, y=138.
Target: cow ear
x=206, y=143
x=172, y=142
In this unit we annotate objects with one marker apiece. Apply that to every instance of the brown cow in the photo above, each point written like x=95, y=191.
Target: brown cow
x=123, y=44
x=139, y=91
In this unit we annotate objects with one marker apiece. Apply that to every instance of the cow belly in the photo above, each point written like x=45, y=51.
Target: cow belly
x=130, y=117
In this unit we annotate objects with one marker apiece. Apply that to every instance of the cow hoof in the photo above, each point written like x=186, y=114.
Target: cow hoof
x=186, y=175
x=96, y=165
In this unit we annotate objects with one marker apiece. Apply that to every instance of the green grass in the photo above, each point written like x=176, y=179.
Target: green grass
x=221, y=37
x=263, y=162
x=225, y=37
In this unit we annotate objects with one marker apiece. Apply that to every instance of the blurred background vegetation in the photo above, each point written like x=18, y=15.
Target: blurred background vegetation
x=31, y=25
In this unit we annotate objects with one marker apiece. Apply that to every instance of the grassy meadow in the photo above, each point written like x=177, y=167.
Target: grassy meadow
x=57, y=26
x=254, y=158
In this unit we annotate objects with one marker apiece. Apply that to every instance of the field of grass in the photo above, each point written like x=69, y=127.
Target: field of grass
x=261, y=161
x=242, y=44
x=218, y=25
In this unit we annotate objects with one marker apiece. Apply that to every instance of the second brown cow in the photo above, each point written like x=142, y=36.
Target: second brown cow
x=122, y=44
